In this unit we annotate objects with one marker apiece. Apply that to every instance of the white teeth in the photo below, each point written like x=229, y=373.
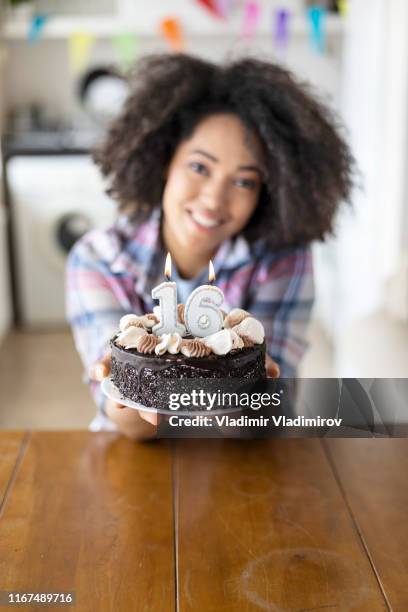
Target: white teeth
x=204, y=221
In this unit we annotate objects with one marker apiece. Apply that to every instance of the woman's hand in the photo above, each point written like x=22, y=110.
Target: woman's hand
x=272, y=368
x=97, y=372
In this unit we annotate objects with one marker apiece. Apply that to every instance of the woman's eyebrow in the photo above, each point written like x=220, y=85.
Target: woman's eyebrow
x=253, y=168
x=215, y=159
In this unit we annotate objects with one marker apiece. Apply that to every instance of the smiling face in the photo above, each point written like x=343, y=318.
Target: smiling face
x=212, y=189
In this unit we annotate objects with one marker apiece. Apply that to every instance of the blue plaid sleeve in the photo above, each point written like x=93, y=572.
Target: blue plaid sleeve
x=283, y=296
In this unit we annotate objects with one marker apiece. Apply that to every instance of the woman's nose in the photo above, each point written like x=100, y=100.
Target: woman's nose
x=214, y=195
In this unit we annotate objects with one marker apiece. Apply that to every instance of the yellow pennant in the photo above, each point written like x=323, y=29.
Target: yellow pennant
x=80, y=45
x=343, y=7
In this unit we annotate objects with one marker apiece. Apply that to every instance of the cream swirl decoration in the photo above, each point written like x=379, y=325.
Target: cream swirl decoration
x=169, y=343
x=146, y=344
x=235, y=317
x=133, y=320
x=195, y=348
x=240, y=331
x=129, y=337
x=252, y=329
x=223, y=341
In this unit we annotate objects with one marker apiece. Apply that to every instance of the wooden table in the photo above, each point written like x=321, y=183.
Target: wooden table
x=211, y=525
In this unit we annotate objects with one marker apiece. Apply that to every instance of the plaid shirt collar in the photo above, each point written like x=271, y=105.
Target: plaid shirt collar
x=138, y=251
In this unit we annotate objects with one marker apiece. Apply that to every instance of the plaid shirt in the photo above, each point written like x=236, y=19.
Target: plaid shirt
x=112, y=272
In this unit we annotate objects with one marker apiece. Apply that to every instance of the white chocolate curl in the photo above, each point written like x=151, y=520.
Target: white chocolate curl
x=235, y=317
x=223, y=341
x=128, y=338
x=251, y=328
x=149, y=320
x=128, y=320
x=169, y=343
x=237, y=341
x=132, y=320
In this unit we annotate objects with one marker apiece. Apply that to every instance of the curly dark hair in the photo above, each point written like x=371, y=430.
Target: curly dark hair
x=307, y=166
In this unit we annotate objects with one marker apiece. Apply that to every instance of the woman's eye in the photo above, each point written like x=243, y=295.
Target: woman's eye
x=246, y=183
x=199, y=168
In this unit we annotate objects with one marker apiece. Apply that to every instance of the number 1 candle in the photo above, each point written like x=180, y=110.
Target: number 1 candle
x=166, y=293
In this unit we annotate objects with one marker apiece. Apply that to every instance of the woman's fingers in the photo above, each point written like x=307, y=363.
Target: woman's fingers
x=100, y=369
x=272, y=368
x=151, y=417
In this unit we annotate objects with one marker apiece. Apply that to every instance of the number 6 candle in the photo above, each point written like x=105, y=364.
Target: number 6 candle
x=166, y=293
x=202, y=313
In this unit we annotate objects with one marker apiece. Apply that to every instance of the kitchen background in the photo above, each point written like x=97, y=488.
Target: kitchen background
x=61, y=67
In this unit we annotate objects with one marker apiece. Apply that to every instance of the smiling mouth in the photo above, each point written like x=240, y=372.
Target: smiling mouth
x=204, y=221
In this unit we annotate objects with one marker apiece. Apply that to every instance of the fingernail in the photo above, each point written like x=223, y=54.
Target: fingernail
x=150, y=417
x=99, y=371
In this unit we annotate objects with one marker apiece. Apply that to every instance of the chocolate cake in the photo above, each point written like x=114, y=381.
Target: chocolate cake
x=146, y=368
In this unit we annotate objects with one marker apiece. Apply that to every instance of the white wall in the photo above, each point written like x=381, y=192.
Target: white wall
x=369, y=247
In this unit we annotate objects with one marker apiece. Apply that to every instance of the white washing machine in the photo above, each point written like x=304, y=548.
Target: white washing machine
x=54, y=199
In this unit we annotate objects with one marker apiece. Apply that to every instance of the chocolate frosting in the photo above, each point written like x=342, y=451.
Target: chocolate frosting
x=237, y=358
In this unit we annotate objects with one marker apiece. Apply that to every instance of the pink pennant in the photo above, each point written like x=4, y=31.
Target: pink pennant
x=252, y=11
x=224, y=7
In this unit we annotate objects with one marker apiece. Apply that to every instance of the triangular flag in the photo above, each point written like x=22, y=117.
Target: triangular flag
x=36, y=27
x=317, y=16
x=126, y=48
x=80, y=45
x=211, y=6
x=172, y=32
x=224, y=8
x=252, y=11
x=281, y=30
x=343, y=7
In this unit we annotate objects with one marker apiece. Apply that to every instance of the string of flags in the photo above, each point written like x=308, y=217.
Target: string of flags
x=170, y=28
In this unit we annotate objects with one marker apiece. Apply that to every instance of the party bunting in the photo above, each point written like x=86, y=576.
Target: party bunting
x=281, y=31
x=80, y=45
x=316, y=15
x=172, y=32
x=211, y=6
x=36, y=28
x=126, y=48
x=252, y=11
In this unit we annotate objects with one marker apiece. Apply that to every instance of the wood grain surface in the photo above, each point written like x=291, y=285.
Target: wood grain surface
x=91, y=513
x=373, y=475
x=282, y=525
x=11, y=447
x=262, y=525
